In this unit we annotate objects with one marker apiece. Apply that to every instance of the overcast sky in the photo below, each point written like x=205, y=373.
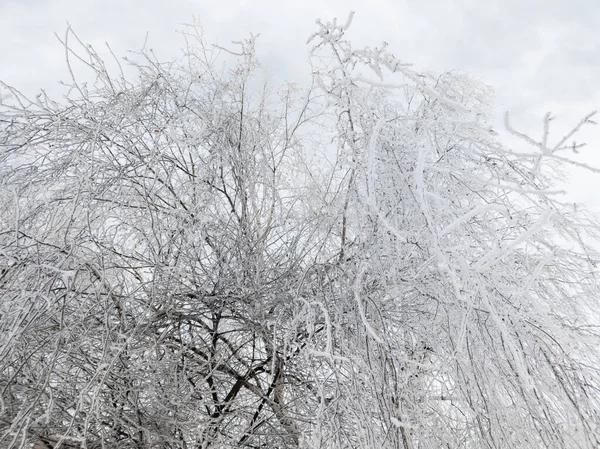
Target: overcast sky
x=539, y=55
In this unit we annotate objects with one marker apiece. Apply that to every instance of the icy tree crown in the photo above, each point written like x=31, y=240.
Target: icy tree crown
x=196, y=258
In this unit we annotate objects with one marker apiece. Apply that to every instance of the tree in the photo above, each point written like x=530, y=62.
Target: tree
x=199, y=259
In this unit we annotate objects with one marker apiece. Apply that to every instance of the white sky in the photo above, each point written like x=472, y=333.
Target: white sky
x=539, y=55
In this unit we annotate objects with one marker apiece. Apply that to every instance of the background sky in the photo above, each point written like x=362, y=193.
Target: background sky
x=538, y=55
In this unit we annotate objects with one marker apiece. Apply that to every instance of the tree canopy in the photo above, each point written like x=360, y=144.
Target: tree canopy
x=196, y=257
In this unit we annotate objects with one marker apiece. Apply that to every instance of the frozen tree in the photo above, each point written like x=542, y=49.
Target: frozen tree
x=198, y=258
x=475, y=285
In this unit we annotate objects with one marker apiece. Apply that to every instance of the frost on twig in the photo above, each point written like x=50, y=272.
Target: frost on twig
x=551, y=152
